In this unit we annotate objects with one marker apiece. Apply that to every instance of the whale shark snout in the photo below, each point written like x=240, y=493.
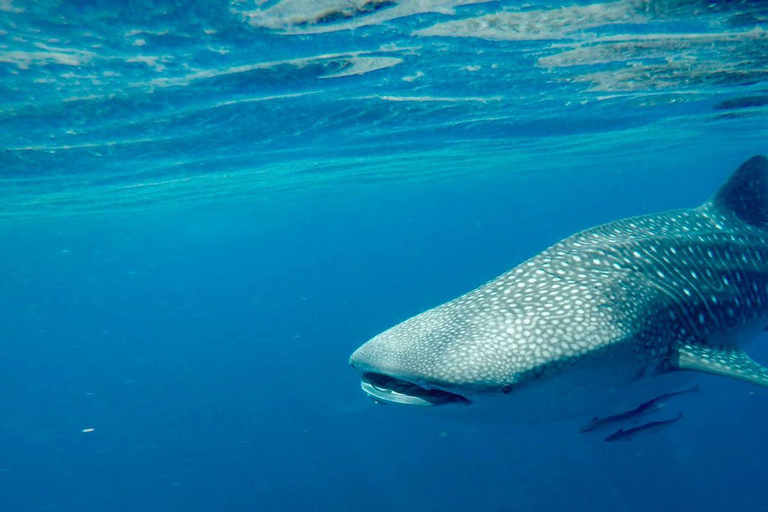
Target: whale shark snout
x=415, y=363
x=440, y=357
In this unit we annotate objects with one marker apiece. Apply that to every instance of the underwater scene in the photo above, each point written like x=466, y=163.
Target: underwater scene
x=383, y=255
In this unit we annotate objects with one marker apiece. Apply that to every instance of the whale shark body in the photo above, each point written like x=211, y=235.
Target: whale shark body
x=613, y=315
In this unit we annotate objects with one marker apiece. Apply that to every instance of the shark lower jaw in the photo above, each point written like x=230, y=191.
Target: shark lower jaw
x=386, y=389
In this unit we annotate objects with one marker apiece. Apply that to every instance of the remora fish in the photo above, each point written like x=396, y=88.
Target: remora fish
x=627, y=309
x=648, y=428
x=638, y=412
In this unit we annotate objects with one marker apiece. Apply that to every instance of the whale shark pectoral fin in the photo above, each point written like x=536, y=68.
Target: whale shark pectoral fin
x=728, y=361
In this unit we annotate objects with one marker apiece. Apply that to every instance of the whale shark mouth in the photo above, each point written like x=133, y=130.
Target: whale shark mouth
x=386, y=389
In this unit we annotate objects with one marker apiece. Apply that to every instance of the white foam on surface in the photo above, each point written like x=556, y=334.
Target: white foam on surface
x=264, y=98
x=156, y=62
x=688, y=60
x=27, y=59
x=438, y=99
x=542, y=24
x=413, y=78
x=139, y=32
x=354, y=63
x=624, y=47
x=685, y=72
x=319, y=16
x=362, y=65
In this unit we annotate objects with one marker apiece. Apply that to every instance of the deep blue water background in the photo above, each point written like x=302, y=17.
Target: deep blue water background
x=188, y=277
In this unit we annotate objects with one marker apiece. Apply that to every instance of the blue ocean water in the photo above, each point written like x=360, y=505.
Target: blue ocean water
x=207, y=206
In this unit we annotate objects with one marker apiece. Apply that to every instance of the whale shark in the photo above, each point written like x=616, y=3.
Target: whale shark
x=611, y=316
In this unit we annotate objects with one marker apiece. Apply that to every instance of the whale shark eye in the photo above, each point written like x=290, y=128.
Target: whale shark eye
x=506, y=388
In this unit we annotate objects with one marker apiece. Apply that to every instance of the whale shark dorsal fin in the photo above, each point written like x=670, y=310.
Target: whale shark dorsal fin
x=745, y=194
x=728, y=361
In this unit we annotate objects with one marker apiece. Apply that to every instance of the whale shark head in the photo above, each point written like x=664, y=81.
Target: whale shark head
x=433, y=359
x=482, y=346
x=599, y=310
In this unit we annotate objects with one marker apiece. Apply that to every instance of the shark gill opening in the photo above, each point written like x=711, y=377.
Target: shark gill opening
x=391, y=389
